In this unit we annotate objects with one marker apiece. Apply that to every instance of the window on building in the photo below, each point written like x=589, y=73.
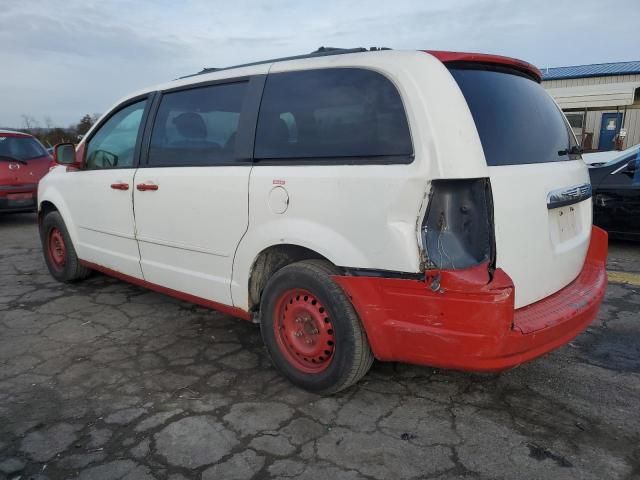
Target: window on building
x=576, y=119
x=331, y=113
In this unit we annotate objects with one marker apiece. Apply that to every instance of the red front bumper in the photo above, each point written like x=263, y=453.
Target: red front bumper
x=469, y=323
x=19, y=198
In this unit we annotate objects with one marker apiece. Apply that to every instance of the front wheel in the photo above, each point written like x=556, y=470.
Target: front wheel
x=311, y=330
x=59, y=253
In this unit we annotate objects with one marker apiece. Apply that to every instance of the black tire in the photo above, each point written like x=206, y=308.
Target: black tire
x=351, y=356
x=70, y=270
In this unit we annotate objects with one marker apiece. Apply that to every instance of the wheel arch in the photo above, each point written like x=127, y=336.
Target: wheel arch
x=300, y=239
x=45, y=208
x=50, y=200
x=269, y=261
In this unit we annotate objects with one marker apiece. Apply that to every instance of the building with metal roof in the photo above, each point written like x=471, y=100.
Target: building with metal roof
x=601, y=102
x=593, y=70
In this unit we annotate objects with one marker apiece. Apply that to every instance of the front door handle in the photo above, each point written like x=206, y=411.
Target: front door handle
x=120, y=186
x=146, y=186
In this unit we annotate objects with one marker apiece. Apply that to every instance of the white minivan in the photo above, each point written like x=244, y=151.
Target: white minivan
x=415, y=206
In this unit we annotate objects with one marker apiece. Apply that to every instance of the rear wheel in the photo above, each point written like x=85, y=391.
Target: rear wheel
x=59, y=253
x=311, y=330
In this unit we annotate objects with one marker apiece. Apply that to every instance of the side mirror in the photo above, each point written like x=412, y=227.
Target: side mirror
x=64, y=154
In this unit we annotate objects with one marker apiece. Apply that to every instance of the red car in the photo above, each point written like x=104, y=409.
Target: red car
x=23, y=162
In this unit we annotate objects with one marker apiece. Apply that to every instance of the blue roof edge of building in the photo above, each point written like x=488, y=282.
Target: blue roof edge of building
x=591, y=70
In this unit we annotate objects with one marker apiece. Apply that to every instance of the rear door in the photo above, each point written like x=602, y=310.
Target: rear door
x=540, y=188
x=191, y=193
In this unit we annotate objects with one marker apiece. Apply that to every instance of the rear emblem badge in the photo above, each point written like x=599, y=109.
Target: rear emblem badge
x=568, y=196
x=14, y=166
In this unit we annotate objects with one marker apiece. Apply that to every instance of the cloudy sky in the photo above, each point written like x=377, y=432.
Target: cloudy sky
x=63, y=58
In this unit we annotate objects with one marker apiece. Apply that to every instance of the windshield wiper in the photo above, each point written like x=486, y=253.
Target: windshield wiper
x=574, y=150
x=7, y=158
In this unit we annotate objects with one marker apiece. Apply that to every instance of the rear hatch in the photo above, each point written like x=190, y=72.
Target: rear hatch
x=23, y=160
x=25, y=173
x=540, y=185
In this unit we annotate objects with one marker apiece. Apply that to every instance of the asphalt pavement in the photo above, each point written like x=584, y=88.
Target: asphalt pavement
x=103, y=380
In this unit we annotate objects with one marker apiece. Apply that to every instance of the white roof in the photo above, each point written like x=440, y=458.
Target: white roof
x=356, y=58
x=590, y=96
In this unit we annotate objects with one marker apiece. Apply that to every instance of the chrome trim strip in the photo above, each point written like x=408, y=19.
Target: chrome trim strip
x=619, y=169
x=568, y=196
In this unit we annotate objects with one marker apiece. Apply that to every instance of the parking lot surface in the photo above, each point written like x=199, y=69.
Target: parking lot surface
x=104, y=380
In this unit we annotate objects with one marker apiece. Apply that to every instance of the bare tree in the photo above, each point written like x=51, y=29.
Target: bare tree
x=29, y=122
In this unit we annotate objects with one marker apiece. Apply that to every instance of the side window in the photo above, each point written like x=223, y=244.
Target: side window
x=113, y=145
x=197, y=126
x=331, y=113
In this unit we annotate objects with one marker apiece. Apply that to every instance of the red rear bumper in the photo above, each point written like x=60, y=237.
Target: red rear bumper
x=469, y=324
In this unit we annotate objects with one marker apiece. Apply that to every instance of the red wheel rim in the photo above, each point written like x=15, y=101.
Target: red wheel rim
x=57, y=249
x=304, y=331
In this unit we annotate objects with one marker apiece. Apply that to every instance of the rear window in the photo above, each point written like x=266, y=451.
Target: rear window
x=332, y=113
x=516, y=119
x=21, y=148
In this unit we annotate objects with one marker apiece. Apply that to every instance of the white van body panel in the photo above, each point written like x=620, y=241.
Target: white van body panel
x=442, y=128
x=49, y=189
x=358, y=216
x=541, y=250
x=99, y=219
x=355, y=216
x=366, y=216
x=188, y=229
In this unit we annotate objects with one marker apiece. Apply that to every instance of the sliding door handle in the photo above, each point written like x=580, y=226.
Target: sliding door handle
x=146, y=186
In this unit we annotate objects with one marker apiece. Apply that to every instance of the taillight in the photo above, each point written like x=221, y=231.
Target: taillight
x=457, y=231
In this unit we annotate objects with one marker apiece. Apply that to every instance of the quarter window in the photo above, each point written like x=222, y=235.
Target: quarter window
x=197, y=126
x=113, y=145
x=331, y=113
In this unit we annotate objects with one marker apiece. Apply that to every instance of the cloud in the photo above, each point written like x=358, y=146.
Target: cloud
x=40, y=37
x=64, y=59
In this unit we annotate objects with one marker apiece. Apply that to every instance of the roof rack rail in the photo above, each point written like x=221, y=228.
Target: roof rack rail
x=320, y=52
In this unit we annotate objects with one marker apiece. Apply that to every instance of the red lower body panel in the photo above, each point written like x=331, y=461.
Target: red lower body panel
x=463, y=320
x=203, y=302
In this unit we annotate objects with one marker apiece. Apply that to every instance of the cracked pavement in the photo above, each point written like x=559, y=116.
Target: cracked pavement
x=103, y=380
